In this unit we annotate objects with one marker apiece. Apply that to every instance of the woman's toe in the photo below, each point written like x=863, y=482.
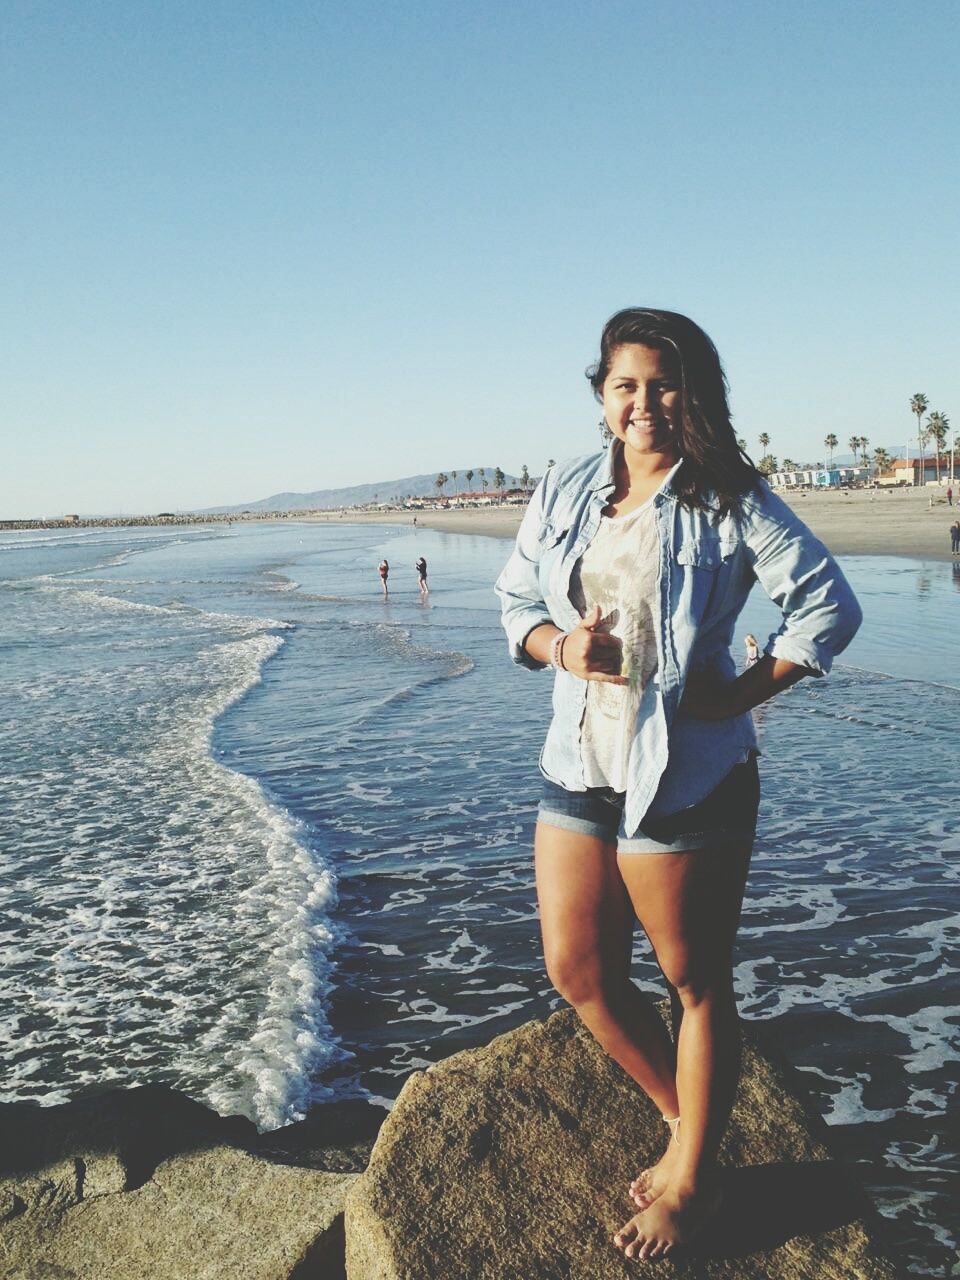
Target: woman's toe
x=636, y=1245
x=626, y=1237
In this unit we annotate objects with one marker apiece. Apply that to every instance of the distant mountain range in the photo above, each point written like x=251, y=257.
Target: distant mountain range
x=361, y=495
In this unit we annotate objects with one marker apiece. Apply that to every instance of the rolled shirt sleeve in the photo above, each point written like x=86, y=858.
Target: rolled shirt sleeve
x=821, y=614
x=522, y=607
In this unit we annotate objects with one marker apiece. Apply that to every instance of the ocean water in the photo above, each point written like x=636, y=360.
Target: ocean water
x=266, y=836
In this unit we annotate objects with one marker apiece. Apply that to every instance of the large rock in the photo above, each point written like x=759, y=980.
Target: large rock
x=511, y=1163
x=147, y=1183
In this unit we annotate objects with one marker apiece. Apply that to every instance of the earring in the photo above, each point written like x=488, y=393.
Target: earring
x=606, y=435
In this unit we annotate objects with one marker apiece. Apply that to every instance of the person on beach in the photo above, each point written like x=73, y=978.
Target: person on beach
x=384, y=571
x=949, y=495
x=421, y=568
x=630, y=569
x=955, y=538
x=753, y=652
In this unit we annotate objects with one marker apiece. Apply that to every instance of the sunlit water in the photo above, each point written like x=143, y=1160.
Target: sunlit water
x=266, y=835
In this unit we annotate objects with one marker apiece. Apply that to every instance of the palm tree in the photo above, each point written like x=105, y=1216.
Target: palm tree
x=440, y=481
x=525, y=476
x=483, y=479
x=854, y=444
x=790, y=465
x=937, y=425
x=741, y=444
x=469, y=475
x=764, y=441
x=881, y=459
x=498, y=479
x=831, y=442
x=918, y=405
x=455, y=489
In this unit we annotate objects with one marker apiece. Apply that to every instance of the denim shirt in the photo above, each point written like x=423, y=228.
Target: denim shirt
x=708, y=564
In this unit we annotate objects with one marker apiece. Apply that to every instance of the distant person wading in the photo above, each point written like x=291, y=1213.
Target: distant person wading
x=630, y=570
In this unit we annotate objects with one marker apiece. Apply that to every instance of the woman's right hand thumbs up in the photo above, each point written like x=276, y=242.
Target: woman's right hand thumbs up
x=592, y=654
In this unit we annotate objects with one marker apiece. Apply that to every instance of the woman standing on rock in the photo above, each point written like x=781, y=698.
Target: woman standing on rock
x=630, y=569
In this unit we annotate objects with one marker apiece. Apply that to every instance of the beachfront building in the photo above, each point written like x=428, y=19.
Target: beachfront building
x=855, y=475
x=907, y=471
x=806, y=479
x=813, y=478
x=465, y=498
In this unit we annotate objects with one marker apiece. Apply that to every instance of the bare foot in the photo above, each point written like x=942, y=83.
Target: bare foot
x=650, y=1184
x=672, y=1220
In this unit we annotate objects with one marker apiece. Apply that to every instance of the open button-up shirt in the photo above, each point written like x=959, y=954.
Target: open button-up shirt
x=708, y=564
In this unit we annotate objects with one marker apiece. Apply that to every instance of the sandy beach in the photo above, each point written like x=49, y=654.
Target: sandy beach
x=891, y=522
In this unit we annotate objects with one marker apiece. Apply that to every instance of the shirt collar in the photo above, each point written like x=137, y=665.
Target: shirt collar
x=605, y=478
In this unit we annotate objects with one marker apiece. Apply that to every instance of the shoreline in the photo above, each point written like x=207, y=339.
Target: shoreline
x=854, y=522
x=858, y=522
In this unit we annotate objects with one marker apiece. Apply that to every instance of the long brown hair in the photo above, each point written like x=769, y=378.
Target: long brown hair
x=716, y=472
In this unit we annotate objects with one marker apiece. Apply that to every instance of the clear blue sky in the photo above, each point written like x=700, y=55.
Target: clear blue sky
x=275, y=245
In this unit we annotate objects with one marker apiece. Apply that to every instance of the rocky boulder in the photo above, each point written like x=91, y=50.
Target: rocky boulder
x=147, y=1183
x=511, y=1162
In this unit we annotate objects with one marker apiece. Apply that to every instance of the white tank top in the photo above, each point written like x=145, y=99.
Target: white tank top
x=619, y=572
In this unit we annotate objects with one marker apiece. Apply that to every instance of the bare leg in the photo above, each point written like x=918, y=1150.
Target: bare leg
x=651, y=1182
x=587, y=923
x=689, y=905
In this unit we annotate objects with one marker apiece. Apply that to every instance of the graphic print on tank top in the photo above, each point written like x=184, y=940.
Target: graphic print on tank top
x=618, y=571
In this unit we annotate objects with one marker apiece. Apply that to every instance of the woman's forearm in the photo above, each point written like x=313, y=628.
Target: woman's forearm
x=763, y=680
x=705, y=698
x=538, y=642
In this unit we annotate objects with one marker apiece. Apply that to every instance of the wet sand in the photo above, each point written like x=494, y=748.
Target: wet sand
x=890, y=522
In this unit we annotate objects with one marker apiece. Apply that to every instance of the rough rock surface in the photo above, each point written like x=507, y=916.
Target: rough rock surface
x=511, y=1162
x=147, y=1183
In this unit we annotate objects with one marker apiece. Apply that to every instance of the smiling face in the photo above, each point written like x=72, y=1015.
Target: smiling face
x=641, y=400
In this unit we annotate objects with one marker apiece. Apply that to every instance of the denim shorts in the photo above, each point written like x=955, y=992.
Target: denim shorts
x=728, y=815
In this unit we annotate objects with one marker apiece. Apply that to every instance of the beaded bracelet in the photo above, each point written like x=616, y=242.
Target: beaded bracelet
x=556, y=651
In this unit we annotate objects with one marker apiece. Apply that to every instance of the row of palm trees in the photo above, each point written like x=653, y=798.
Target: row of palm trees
x=936, y=430
x=937, y=426
x=856, y=444
x=498, y=478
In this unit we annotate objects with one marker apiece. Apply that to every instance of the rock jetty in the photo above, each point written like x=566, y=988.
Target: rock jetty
x=508, y=1162
x=147, y=1183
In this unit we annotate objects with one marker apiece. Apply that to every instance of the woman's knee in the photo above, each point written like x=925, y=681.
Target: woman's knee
x=698, y=980
x=579, y=978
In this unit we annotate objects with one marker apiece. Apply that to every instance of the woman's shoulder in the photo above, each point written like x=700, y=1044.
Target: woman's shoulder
x=577, y=472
